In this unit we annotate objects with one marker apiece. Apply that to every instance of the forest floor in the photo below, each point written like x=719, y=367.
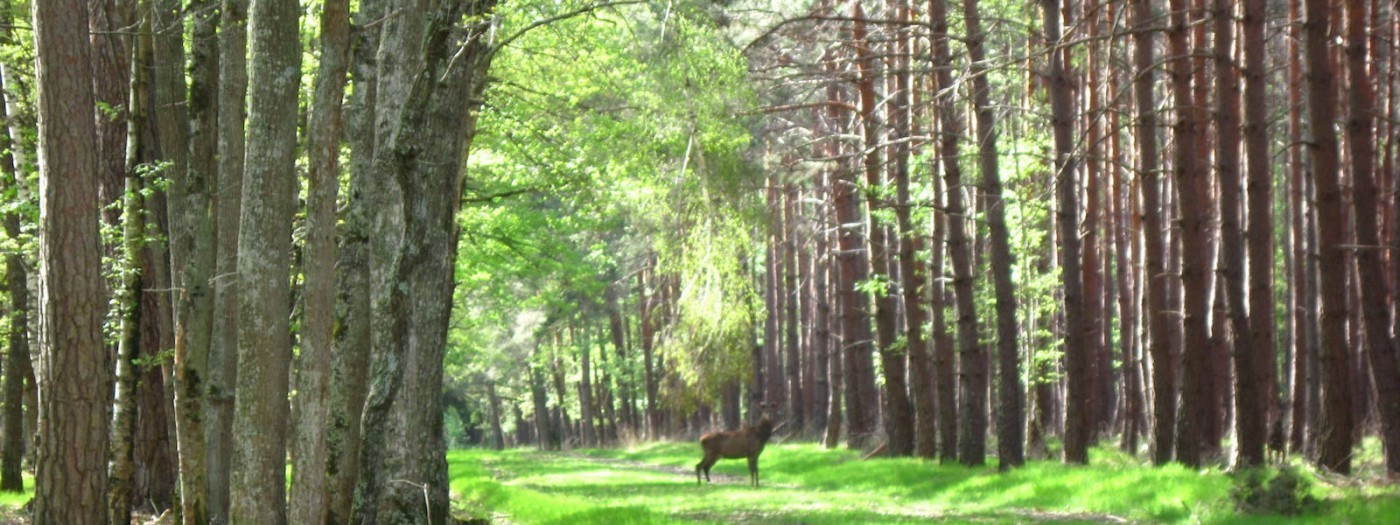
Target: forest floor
x=807, y=484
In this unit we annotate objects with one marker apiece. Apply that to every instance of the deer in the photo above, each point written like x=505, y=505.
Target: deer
x=747, y=442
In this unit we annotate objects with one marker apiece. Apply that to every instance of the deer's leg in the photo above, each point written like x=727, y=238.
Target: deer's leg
x=705, y=464
x=753, y=470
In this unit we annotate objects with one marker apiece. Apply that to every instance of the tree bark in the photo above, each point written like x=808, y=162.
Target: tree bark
x=424, y=158
x=192, y=254
x=1260, y=230
x=972, y=430
x=914, y=279
x=70, y=472
x=792, y=294
x=17, y=349
x=120, y=469
x=1010, y=394
x=1193, y=187
x=857, y=339
x=897, y=408
x=223, y=348
x=1251, y=406
x=258, y=489
x=1380, y=348
x=1156, y=280
x=1065, y=168
x=350, y=361
x=1334, y=451
x=309, y=490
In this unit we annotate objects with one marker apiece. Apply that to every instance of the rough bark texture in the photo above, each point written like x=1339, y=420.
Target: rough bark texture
x=1380, y=348
x=309, y=494
x=1010, y=393
x=258, y=480
x=403, y=459
x=1067, y=218
x=1335, y=435
x=71, y=466
x=192, y=256
x=350, y=361
x=111, y=25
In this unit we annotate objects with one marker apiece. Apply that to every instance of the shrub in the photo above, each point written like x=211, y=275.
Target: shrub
x=1284, y=491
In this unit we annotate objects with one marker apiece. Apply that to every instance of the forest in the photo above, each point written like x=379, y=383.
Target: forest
x=507, y=261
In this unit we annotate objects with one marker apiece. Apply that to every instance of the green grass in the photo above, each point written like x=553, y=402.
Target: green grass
x=804, y=483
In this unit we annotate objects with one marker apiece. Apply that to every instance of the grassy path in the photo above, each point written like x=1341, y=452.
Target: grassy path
x=806, y=484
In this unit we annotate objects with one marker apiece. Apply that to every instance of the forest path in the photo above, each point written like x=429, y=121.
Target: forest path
x=527, y=486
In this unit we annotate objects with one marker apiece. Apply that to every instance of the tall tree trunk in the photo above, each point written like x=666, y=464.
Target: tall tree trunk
x=309, y=491
x=1380, y=348
x=17, y=348
x=403, y=421
x=1010, y=394
x=647, y=303
x=821, y=315
x=1194, y=190
x=587, y=410
x=924, y=440
x=793, y=377
x=120, y=469
x=834, y=184
x=619, y=342
x=1067, y=199
x=498, y=438
x=972, y=430
x=192, y=256
x=897, y=411
x=1251, y=406
x=1156, y=279
x=259, y=484
x=547, y=434
x=223, y=348
x=70, y=474
x=110, y=24
x=350, y=361
x=945, y=358
x=1335, y=435
x=1092, y=275
x=1260, y=230
x=855, y=332
x=1298, y=297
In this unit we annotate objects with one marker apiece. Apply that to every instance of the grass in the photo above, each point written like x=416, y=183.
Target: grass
x=804, y=483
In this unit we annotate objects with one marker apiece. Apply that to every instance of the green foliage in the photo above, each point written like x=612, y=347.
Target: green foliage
x=607, y=140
